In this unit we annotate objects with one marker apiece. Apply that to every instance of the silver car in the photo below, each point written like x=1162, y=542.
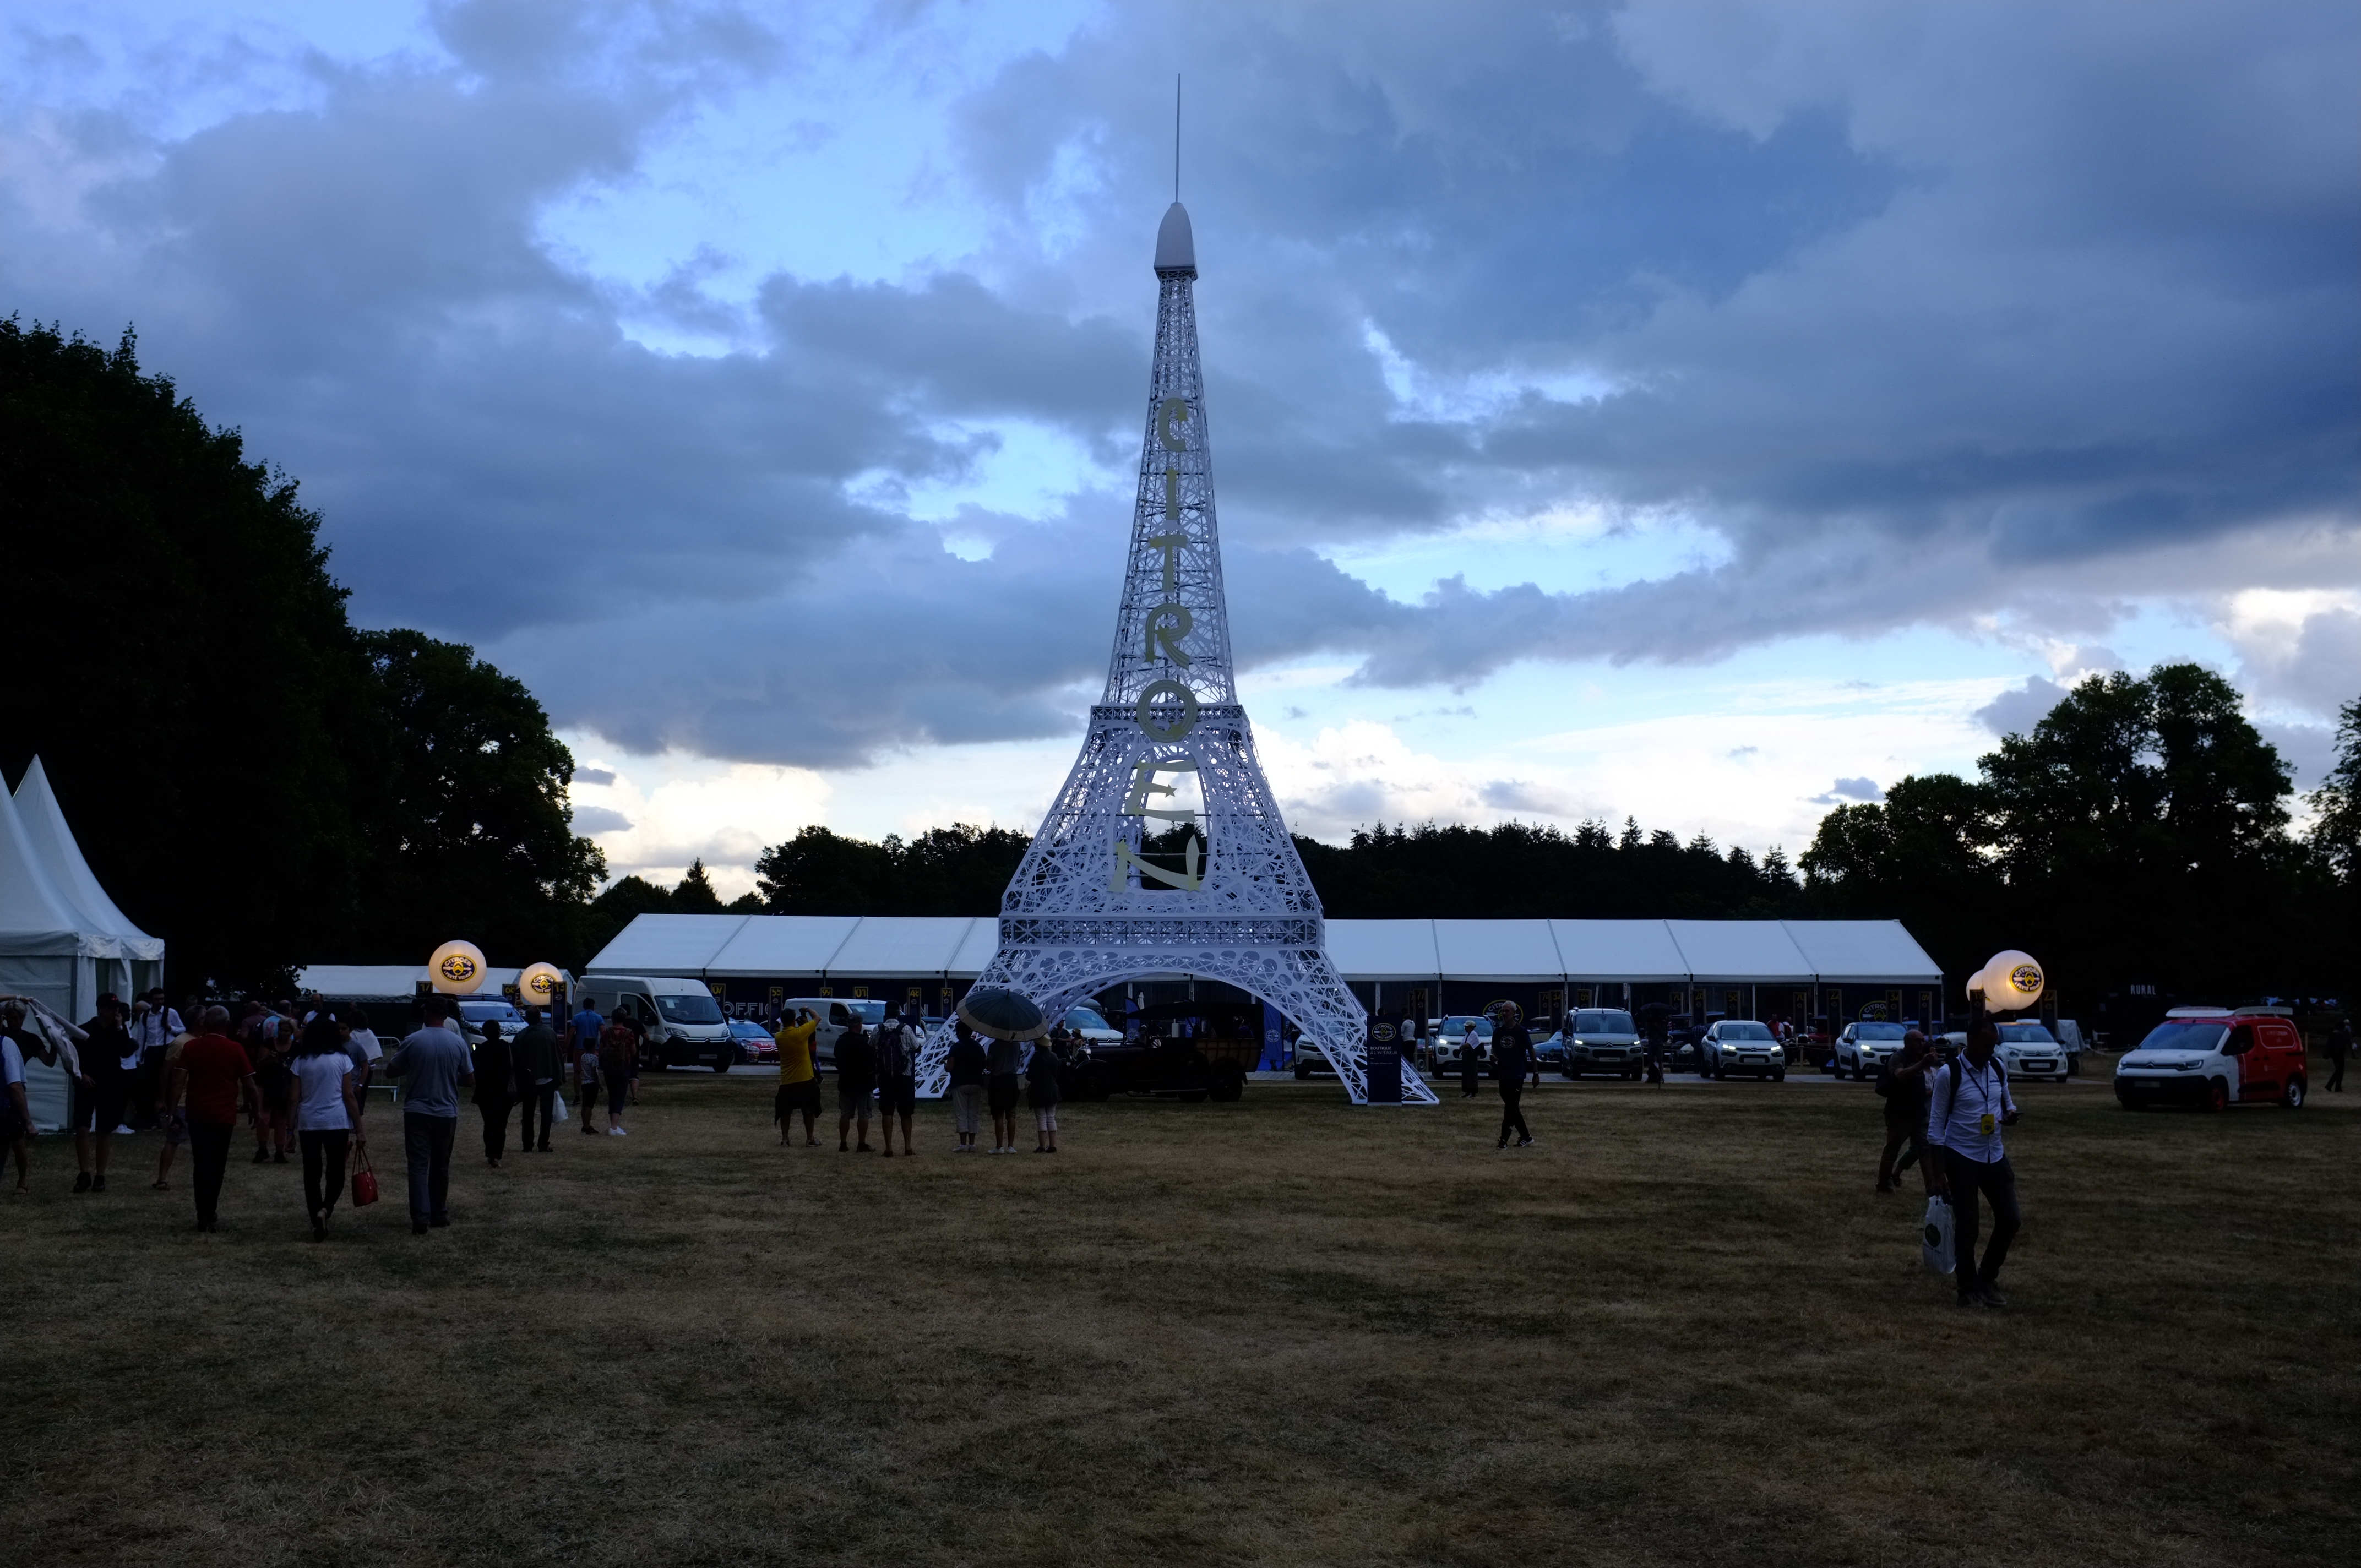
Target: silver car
x=1603, y=1040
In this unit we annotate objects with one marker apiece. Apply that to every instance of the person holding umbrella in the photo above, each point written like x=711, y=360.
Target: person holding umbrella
x=1008, y=1019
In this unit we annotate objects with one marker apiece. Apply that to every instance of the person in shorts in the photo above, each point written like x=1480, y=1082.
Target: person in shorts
x=967, y=1066
x=799, y=1080
x=897, y=1082
x=171, y=1118
x=1041, y=1096
x=101, y=1091
x=856, y=1085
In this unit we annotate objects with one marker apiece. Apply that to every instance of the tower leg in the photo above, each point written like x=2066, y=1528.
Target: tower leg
x=1300, y=983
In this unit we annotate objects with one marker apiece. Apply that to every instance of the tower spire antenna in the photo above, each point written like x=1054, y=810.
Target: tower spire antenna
x=1176, y=136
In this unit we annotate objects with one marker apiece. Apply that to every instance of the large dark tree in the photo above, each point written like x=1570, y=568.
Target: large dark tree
x=2139, y=834
x=959, y=870
x=241, y=766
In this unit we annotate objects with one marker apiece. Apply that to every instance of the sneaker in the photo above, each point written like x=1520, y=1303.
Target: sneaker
x=441, y=1222
x=417, y=1227
x=1524, y=1143
x=319, y=1229
x=889, y=1154
x=1992, y=1295
x=589, y=1131
x=786, y=1143
x=98, y=1184
x=262, y=1157
x=1503, y=1144
x=82, y=1181
x=1970, y=1299
x=618, y=1131
x=1886, y=1187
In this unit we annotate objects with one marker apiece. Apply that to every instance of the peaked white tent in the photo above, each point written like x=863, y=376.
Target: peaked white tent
x=63, y=940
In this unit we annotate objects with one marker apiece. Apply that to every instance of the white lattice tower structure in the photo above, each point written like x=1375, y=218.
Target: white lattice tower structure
x=1169, y=747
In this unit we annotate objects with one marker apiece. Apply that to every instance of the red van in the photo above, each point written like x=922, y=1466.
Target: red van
x=2214, y=1057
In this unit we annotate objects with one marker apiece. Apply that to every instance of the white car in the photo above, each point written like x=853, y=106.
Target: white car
x=2029, y=1050
x=1863, y=1048
x=1085, y=1022
x=1742, y=1045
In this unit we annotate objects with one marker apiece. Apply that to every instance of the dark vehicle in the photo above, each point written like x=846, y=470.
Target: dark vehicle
x=1188, y=1049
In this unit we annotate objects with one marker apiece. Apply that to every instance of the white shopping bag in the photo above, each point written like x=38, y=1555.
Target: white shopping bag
x=1935, y=1239
x=557, y=1105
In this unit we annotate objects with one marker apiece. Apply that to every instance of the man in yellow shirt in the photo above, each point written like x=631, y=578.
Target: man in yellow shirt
x=799, y=1083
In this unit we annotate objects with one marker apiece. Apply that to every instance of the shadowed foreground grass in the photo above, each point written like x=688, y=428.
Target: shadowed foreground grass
x=1681, y=1330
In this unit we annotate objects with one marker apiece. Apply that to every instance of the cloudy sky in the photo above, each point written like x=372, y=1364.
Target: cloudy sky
x=1705, y=412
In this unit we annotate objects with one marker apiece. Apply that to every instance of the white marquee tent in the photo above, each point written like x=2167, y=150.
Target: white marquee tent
x=876, y=946
x=63, y=940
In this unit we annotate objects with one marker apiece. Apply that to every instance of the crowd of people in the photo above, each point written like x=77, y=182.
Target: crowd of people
x=299, y=1075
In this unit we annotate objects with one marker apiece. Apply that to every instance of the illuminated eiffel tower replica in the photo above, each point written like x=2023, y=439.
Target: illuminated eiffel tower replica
x=1170, y=749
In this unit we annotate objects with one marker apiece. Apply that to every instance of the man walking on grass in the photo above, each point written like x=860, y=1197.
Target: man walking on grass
x=1513, y=1060
x=206, y=1083
x=2340, y=1045
x=856, y=1082
x=1968, y=1104
x=435, y=1065
x=535, y=1054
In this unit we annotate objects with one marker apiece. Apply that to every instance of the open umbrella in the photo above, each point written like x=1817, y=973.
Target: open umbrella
x=1002, y=1013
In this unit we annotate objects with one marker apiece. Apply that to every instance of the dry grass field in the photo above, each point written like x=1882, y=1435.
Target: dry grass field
x=1681, y=1329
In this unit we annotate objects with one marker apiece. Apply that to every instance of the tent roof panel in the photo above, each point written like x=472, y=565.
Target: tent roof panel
x=976, y=950
x=1756, y=950
x=69, y=873
x=915, y=947
x=666, y=943
x=1383, y=949
x=1509, y=950
x=781, y=945
x=1863, y=952
x=35, y=916
x=1641, y=951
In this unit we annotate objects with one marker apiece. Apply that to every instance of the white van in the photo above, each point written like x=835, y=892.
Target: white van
x=680, y=1024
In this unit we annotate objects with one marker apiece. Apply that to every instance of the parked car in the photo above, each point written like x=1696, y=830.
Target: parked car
x=1863, y=1048
x=2214, y=1057
x=1604, y=1040
x=1088, y=1023
x=2029, y=1050
x=475, y=1011
x=754, y=1041
x=679, y=1022
x=1742, y=1045
x=836, y=1014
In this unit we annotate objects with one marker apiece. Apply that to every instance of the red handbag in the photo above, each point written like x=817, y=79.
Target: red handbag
x=364, y=1183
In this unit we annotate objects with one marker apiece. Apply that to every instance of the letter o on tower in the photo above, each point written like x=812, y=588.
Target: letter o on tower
x=1164, y=691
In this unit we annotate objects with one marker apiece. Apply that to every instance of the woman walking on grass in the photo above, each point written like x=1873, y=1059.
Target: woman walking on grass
x=320, y=1107
x=1041, y=1096
x=619, y=1055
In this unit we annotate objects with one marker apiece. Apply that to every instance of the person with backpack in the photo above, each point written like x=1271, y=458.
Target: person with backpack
x=897, y=1081
x=1902, y=1083
x=856, y=1085
x=1968, y=1104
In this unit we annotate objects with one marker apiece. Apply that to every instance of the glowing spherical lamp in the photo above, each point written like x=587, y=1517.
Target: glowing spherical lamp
x=457, y=969
x=2013, y=981
x=541, y=985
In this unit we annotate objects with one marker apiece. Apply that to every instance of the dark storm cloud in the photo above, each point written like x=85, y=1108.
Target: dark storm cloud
x=1924, y=314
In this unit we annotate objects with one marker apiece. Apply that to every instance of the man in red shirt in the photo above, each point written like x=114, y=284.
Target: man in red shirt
x=213, y=1073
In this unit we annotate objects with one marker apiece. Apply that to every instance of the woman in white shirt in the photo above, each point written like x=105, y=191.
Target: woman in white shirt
x=320, y=1099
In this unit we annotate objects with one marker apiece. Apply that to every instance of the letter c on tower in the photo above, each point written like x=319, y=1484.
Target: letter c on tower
x=1174, y=412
